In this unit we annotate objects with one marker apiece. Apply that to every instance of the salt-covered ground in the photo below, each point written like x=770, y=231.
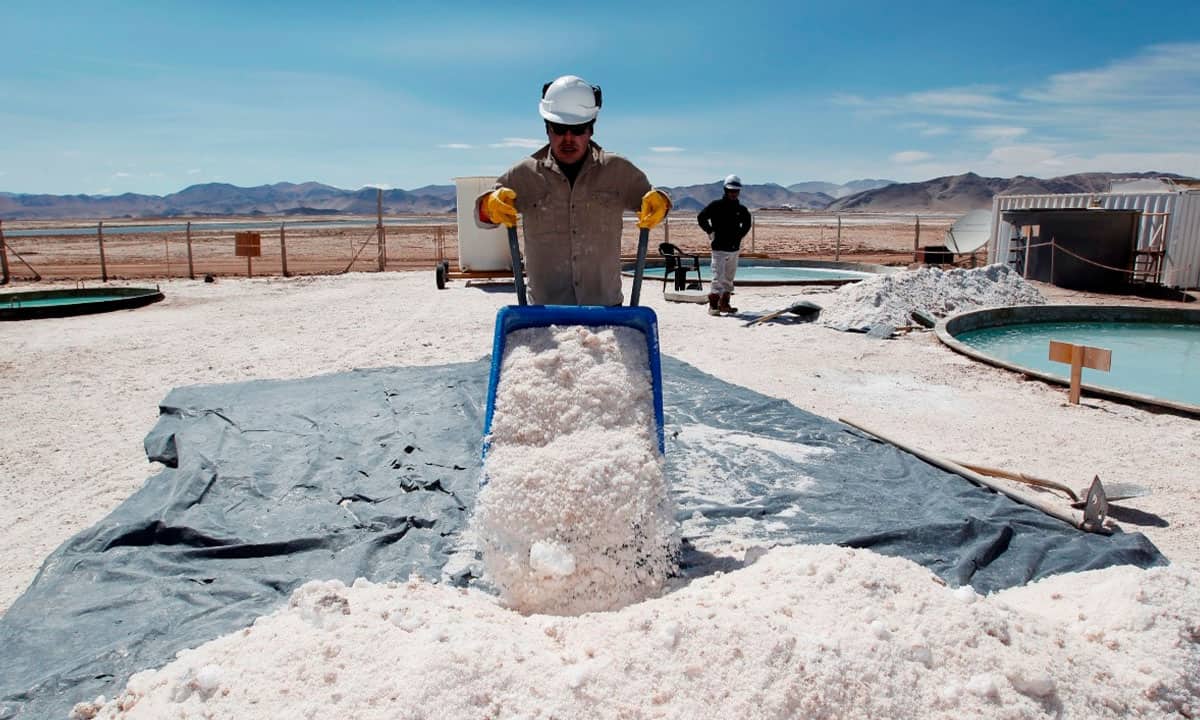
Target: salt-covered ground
x=804, y=631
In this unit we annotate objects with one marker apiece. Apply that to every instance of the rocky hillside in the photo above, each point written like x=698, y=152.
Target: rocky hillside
x=960, y=193
x=957, y=193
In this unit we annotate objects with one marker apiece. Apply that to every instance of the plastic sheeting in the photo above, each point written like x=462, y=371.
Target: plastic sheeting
x=374, y=473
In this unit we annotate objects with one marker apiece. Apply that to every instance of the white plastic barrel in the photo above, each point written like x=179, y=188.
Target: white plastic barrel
x=479, y=249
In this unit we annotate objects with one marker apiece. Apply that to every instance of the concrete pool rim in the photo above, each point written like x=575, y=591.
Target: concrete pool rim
x=947, y=329
x=654, y=266
x=128, y=298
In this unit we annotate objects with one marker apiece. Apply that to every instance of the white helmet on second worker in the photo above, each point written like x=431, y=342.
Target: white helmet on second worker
x=733, y=182
x=569, y=100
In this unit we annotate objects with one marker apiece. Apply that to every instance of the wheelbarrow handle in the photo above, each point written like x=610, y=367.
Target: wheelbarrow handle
x=643, y=241
x=514, y=249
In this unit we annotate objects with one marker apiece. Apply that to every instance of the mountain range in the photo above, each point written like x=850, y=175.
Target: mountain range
x=955, y=193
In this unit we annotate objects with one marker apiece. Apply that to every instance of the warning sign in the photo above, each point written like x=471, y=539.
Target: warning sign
x=248, y=244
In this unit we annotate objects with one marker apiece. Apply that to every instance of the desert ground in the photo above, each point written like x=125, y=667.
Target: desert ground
x=870, y=637
x=413, y=242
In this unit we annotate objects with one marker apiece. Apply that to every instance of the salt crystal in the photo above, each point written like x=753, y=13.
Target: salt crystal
x=1036, y=683
x=965, y=594
x=984, y=685
x=208, y=679
x=551, y=558
x=880, y=630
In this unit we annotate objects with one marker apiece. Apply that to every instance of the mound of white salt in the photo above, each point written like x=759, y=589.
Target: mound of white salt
x=575, y=516
x=889, y=300
x=805, y=631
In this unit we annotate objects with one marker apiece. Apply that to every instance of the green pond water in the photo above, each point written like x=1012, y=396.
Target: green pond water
x=1157, y=359
x=7, y=303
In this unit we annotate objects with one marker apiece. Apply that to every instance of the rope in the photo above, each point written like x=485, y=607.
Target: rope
x=1058, y=248
x=1091, y=262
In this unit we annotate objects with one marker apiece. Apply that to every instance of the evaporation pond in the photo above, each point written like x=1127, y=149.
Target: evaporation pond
x=1157, y=359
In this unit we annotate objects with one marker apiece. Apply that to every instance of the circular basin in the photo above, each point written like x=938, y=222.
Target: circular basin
x=1155, y=351
x=62, y=303
x=761, y=271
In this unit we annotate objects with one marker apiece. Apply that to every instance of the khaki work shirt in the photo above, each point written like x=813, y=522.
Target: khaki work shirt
x=572, y=234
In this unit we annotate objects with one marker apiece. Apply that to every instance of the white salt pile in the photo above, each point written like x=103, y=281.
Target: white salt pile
x=888, y=301
x=576, y=515
x=805, y=631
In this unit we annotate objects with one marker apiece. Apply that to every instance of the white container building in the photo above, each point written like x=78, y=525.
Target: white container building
x=1170, y=223
x=480, y=249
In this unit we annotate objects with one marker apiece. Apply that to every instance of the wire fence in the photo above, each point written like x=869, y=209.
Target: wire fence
x=107, y=251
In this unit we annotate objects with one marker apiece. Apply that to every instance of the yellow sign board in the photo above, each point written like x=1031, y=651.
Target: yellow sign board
x=1080, y=357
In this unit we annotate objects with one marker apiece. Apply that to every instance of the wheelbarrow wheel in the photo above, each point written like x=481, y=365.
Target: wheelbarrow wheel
x=440, y=273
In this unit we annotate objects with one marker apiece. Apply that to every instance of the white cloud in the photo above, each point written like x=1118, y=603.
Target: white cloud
x=194, y=171
x=984, y=102
x=121, y=175
x=1164, y=73
x=926, y=129
x=1130, y=114
x=456, y=146
x=378, y=186
x=910, y=156
x=518, y=143
x=955, y=98
x=998, y=133
x=1025, y=156
x=665, y=149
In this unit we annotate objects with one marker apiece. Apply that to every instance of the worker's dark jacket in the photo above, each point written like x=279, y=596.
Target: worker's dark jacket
x=728, y=220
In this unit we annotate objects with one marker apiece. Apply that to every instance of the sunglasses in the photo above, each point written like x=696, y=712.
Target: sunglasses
x=576, y=130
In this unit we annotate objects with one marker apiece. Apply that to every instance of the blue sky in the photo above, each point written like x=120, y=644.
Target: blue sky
x=150, y=97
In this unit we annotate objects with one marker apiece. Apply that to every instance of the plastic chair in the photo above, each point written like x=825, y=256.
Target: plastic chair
x=677, y=265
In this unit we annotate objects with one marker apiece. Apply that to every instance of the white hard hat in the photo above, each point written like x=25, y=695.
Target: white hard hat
x=569, y=100
x=733, y=182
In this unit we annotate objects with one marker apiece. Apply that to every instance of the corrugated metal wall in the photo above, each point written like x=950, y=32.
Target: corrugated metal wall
x=1183, y=248
x=1181, y=264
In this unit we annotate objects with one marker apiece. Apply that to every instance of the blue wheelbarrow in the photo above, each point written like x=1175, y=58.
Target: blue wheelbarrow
x=523, y=315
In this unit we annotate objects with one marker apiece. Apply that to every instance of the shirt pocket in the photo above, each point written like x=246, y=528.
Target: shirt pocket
x=604, y=213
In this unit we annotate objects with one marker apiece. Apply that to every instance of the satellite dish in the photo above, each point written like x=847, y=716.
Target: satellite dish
x=970, y=232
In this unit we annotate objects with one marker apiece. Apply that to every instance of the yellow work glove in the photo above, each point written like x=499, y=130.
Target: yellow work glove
x=655, y=205
x=500, y=206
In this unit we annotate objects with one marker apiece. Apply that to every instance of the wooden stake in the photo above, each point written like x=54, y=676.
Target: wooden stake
x=103, y=264
x=4, y=277
x=191, y=270
x=1079, y=357
x=917, y=241
x=283, y=250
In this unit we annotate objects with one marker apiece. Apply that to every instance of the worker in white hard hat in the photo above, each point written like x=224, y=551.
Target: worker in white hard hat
x=571, y=194
x=726, y=221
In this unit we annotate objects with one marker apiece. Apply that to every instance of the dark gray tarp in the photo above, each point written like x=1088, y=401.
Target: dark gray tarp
x=373, y=474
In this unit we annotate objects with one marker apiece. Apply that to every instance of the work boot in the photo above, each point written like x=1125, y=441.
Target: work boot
x=712, y=304
x=724, y=304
